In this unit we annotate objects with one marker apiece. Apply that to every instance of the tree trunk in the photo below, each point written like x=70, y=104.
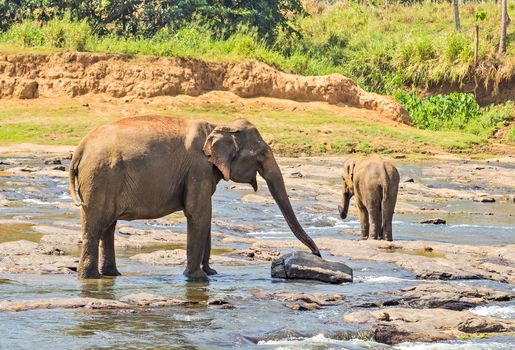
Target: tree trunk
x=504, y=24
x=476, y=46
x=456, y=15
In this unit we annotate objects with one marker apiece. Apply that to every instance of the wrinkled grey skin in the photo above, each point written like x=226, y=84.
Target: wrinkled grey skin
x=374, y=183
x=149, y=167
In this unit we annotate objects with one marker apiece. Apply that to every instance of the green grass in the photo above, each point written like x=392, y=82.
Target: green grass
x=310, y=131
x=384, y=50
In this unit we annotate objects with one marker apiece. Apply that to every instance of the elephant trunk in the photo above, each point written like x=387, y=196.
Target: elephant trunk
x=345, y=202
x=272, y=174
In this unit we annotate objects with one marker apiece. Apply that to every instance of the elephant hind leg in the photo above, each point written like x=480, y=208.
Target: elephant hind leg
x=388, y=210
x=107, y=253
x=88, y=263
x=376, y=226
x=363, y=219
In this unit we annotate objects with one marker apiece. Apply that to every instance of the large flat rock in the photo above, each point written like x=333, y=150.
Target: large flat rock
x=304, y=265
x=396, y=325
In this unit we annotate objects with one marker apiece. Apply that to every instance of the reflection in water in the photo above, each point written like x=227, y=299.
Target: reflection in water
x=196, y=291
x=101, y=288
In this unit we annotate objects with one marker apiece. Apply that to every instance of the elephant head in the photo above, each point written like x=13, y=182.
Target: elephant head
x=239, y=152
x=348, y=186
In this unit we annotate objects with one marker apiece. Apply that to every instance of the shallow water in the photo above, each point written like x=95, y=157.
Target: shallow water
x=252, y=323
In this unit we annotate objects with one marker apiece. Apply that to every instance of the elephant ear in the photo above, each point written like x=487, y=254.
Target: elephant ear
x=221, y=149
x=349, y=170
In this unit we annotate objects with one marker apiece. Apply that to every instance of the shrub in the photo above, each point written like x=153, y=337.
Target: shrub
x=452, y=112
x=67, y=34
x=27, y=34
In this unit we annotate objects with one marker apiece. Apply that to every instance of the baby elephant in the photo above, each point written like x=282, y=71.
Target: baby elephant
x=374, y=183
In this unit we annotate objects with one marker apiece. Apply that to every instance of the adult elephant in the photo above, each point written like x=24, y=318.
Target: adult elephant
x=148, y=167
x=374, y=183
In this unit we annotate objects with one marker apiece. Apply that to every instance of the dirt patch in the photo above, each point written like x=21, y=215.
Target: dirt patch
x=74, y=74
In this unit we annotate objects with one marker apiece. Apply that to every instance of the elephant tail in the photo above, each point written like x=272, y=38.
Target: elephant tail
x=74, y=171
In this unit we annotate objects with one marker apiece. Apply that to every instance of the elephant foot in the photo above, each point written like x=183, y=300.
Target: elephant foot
x=195, y=275
x=110, y=271
x=209, y=270
x=89, y=274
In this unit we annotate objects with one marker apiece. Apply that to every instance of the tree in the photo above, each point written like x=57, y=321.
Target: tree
x=504, y=25
x=480, y=17
x=456, y=15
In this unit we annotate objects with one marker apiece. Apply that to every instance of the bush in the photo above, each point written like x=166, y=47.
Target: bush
x=26, y=34
x=441, y=112
x=66, y=34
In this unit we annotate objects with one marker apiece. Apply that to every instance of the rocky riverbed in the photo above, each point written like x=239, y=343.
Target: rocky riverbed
x=450, y=283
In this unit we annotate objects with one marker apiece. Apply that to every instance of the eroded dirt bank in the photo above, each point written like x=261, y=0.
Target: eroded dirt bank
x=75, y=74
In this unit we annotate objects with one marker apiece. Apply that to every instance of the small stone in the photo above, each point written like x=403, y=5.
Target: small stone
x=60, y=168
x=399, y=156
x=85, y=104
x=485, y=199
x=436, y=221
x=304, y=265
x=53, y=161
x=297, y=174
x=409, y=180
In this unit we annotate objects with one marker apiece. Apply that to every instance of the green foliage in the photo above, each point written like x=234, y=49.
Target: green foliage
x=456, y=111
x=135, y=18
x=480, y=15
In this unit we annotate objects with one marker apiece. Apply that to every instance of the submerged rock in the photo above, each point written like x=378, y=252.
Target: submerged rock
x=396, y=325
x=304, y=265
x=301, y=301
x=436, y=221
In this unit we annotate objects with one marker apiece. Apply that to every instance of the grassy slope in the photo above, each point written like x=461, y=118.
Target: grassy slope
x=292, y=128
x=381, y=49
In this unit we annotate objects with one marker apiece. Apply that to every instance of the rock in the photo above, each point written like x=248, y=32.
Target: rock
x=131, y=301
x=409, y=180
x=177, y=257
x=450, y=296
x=304, y=265
x=221, y=303
x=436, y=221
x=396, y=325
x=257, y=199
x=257, y=255
x=53, y=161
x=399, y=156
x=297, y=174
x=60, y=168
x=484, y=199
x=446, y=261
x=153, y=300
x=301, y=301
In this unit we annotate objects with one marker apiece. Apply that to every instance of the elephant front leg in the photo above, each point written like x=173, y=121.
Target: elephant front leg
x=207, y=254
x=197, y=208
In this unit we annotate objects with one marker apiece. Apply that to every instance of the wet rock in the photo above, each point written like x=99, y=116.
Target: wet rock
x=59, y=168
x=257, y=199
x=396, y=325
x=145, y=300
x=257, y=255
x=280, y=334
x=301, y=301
x=485, y=199
x=177, y=257
x=297, y=174
x=153, y=300
x=30, y=257
x=450, y=296
x=447, y=261
x=436, y=221
x=52, y=161
x=235, y=227
x=220, y=303
x=409, y=180
x=304, y=265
